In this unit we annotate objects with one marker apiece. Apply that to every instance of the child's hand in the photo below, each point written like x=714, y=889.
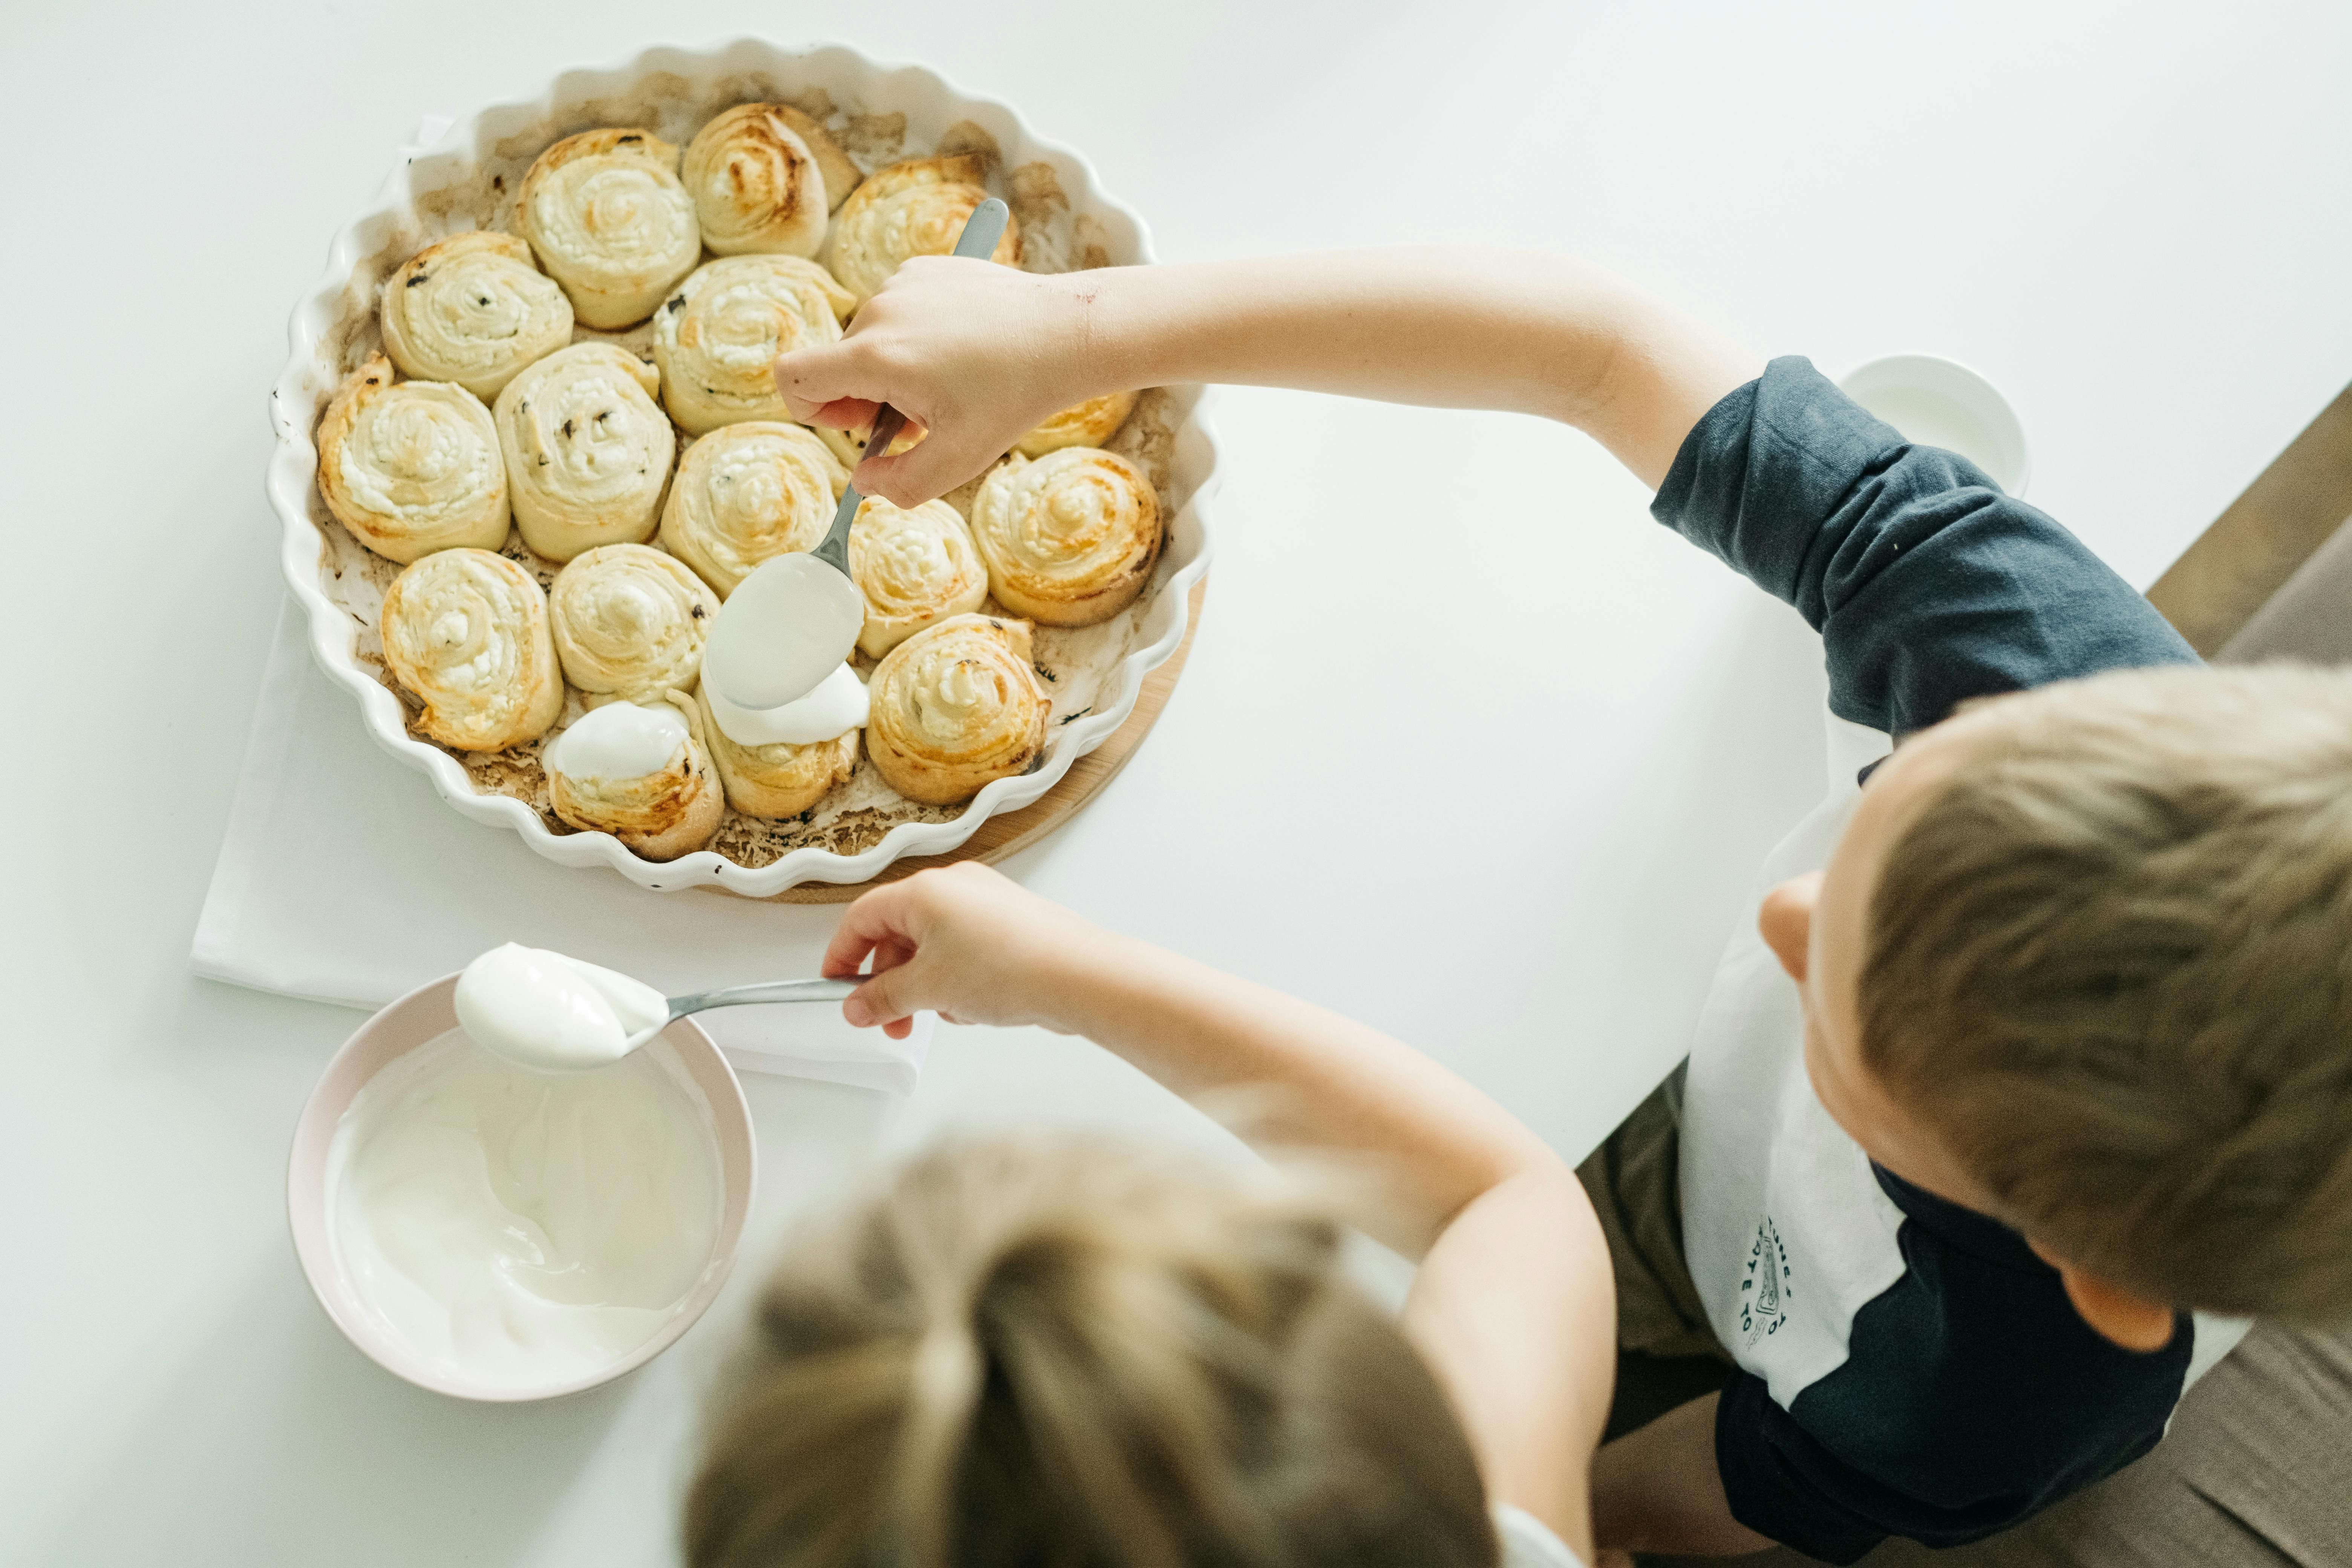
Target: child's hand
x=970, y=944
x=975, y=354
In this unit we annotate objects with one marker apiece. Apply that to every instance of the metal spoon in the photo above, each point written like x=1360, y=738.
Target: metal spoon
x=743, y=995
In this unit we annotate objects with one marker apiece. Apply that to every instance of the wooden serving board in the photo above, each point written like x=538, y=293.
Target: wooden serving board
x=1009, y=832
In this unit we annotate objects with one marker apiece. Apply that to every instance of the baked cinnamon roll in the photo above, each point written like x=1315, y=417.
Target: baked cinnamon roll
x=1069, y=538
x=954, y=706
x=473, y=309
x=756, y=183
x=1088, y=423
x=587, y=449
x=638, y=772
x=716, y=339
x=466, y=631
x=915, y=567
x=780, y=779
x=914, y=208
x=747, y=492
x=833, y=161
x=629, y=623
x=410, y=467
x=610, y=222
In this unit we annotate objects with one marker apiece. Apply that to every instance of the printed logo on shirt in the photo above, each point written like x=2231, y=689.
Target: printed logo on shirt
x=1764, y=1291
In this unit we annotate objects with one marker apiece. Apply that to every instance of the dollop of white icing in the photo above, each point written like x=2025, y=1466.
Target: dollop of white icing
x=782, y=631
x=618, y=741
x=838, y=705
x=541, y=1009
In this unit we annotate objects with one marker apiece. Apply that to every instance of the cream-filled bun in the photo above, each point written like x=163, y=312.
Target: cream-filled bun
x=610, y=222
x=954, y=706
x=716, y=339
x=465, y=632
x=587, y=449
x=915, y=567
x=1087, y=424
x=1069, y=538
x=746, y=493
x=473, y=309
x=779, y=779
x=629, y=623
x=638, y=772
x=411, y=467
x=757, y=184
x=914, y=208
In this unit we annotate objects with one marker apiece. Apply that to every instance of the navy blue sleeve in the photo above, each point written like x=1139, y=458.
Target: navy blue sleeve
x=1927, y=585
x=1973, y=1397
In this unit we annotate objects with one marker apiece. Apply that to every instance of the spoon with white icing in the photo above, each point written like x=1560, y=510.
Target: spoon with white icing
x=787, y=633
x=541, y=1009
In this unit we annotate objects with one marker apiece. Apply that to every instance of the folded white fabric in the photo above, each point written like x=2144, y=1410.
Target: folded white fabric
x=343, y=877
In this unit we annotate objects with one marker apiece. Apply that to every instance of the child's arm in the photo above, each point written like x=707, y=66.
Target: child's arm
x=979, y=353
x=1514, y=1306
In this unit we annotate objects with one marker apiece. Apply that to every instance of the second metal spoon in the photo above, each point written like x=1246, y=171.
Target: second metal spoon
x=744, y=995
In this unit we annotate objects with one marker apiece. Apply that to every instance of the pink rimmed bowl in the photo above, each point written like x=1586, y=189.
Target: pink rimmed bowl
x=417, y=1020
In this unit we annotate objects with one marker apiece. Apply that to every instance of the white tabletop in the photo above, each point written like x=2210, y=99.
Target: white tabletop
x=1368, y=788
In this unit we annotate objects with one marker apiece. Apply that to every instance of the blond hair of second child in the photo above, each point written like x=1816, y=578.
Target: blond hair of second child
x=1063, y=1351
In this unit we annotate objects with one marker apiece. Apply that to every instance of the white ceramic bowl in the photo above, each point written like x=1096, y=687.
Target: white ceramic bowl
x=1939, y=401
x=417, y=201
x=418, y=1019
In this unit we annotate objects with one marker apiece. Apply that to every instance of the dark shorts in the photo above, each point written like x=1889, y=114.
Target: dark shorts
x=1633, y=1179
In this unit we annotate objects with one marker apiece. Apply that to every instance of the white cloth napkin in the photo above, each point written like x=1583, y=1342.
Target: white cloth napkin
x=344, y=878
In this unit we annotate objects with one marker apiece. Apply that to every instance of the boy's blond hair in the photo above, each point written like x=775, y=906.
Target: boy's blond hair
x=1066, y=1353
x=2110, y=965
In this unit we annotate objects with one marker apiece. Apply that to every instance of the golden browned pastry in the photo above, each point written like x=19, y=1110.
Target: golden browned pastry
x=716, y=339
x=473, y=309
x=1069, y=538
x=466, y=631
x=954, y=706
x=410, y=467
x=747, y=492
x=1089, y=423
x=841, y=175
x=629, y=623
x=610, y=222
x=914, y=209
x=778, y=780
x=915, y=567
x=638, y=772
x=587, y=449
x=757, y=184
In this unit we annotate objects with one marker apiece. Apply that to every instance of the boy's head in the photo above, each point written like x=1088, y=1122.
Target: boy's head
x=2082, y=960
x=1065, y=1352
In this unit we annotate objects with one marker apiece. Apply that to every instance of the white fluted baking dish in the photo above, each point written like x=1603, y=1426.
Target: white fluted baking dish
x=467, y=179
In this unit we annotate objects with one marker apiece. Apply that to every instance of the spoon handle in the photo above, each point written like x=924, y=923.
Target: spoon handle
x=981, y=230
x=767, y=991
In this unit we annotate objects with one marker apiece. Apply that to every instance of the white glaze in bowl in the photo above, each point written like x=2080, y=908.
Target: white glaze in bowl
x=416, y=1021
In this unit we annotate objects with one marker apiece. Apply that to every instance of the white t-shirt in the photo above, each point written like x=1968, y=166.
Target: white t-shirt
x=1528, y=1543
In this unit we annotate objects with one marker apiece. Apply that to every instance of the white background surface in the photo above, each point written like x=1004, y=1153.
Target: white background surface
x=1468, y=747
